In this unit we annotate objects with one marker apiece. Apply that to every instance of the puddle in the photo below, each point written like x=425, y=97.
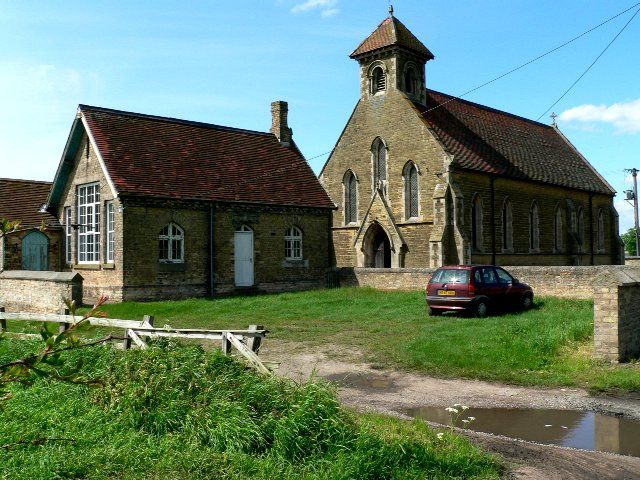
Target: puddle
x=568, y=428
x=362, y=381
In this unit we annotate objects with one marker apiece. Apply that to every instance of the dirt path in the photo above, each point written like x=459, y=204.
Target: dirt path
x=394, y=392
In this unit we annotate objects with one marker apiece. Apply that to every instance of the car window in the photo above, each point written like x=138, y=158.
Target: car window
x=488, y=275
x=450, y=276
x=503, y=276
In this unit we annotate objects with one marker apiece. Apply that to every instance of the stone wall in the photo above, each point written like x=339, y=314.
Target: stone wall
x=555, y=281
x=11, y=249
x=38, y=292
x=617, y=315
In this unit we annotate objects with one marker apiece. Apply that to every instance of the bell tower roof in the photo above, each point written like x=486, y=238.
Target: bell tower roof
x=392, y=32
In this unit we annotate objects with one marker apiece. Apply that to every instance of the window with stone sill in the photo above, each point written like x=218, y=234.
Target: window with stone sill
x=293, y=244
x=89, y=206
x=171, y=244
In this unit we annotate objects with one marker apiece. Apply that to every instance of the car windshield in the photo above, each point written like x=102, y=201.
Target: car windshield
x=450, y=276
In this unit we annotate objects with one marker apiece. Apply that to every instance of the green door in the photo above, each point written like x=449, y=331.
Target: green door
x=35, y=251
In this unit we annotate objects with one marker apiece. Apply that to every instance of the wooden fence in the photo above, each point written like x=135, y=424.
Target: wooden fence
x=246, y=342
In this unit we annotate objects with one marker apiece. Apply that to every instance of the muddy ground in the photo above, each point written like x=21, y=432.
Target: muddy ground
x=392, y=392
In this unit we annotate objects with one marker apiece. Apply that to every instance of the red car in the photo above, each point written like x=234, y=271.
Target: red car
x=476, y=289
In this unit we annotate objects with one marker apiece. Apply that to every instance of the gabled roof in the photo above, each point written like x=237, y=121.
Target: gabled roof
x=491, y=141
x=22, y=200
x=152, y=156
x=389, y=33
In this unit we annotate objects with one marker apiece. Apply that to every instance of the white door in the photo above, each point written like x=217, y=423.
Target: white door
x=243, y=254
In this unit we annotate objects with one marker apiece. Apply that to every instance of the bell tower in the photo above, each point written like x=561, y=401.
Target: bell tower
x=392, y=58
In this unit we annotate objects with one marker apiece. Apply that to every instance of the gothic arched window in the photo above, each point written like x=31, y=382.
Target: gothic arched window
x=411, y=189
x=476, y=223
x=601, y=236
x=507, y=226
x=378, y=80
x=380, y=165
x=557, y=229
x=350, y=197
x=171, y=244
x=580, y=228
x=534, y=228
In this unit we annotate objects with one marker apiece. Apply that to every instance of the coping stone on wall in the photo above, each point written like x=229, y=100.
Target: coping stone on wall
x=618, y=277
x=40, y=275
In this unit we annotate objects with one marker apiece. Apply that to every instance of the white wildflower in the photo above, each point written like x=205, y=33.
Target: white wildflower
x=440, y=435
x=471, y=419
x=451, y=410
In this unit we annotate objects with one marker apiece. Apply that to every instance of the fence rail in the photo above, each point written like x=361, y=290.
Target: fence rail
x=247, y=342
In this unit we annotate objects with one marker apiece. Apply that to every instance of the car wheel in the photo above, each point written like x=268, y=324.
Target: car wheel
x=434, y=312
x=481, y=309
x=527, y=301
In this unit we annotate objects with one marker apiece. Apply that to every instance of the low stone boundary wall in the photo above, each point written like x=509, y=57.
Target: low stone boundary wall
x=38, y=292
x=554, y=281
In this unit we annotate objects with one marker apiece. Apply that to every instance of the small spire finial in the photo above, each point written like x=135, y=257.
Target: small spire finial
x=553, y=119
x=390, y=10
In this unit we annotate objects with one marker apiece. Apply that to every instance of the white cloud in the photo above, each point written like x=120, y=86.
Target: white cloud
x=625, y=117
x=326, y=7
x=330, y=12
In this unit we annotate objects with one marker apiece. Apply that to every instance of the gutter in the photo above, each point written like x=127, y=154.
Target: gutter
x=212, y=250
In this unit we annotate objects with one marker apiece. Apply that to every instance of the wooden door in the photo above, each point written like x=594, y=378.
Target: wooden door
x=243, y=257
x=35, y=251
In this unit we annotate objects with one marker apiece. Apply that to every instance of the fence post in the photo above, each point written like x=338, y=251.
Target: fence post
x=149, y=319
x=254, y=342
x=3, y=322
x=126, y=343
x=226, y=344
x=63, y=326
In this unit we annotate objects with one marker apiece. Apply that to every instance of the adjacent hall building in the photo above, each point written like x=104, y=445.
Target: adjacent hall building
x=155, y=207
x=422, y=178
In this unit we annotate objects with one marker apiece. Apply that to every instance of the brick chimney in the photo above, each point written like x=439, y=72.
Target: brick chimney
x=279, y=126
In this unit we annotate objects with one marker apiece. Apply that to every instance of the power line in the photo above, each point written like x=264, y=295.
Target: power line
x=592, y=64
x=568, y=42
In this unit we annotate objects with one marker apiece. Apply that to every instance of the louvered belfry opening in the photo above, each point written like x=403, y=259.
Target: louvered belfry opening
x=379, y=80
x=351, y=206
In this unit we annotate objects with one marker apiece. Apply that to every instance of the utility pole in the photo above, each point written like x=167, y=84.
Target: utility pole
x=634, y=173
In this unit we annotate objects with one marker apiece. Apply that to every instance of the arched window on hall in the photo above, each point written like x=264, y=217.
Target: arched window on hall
x=379, y=150
x=580, y=229
x=477, y=235
x=557, y=229
x=350, y=184
x=601, y=236
x=378, y=80
x=411, y=189
x=171, y=244
x=507, y=226
x=534, y=228
x=410, y=80
x=293, y=244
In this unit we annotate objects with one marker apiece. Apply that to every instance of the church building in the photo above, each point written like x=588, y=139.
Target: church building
x=423, y=179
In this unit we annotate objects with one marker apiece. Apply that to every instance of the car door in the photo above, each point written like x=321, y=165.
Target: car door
x=505, y=291
x=510, y=293
x=488, y=283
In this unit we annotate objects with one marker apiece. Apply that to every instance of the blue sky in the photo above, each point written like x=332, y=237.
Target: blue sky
x=224, y=62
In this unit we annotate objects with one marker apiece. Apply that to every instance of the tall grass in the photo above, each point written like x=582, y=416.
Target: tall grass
x=175, y=412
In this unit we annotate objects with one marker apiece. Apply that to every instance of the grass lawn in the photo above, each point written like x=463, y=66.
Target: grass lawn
x=548, y=345
x=173, y=412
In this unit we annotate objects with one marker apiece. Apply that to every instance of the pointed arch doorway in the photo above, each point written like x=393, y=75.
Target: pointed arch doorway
x=377, y=247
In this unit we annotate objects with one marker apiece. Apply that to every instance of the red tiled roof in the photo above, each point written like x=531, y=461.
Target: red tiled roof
x=391, y=32
x=22, y=199
x=492, y=141
x=165, y=157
